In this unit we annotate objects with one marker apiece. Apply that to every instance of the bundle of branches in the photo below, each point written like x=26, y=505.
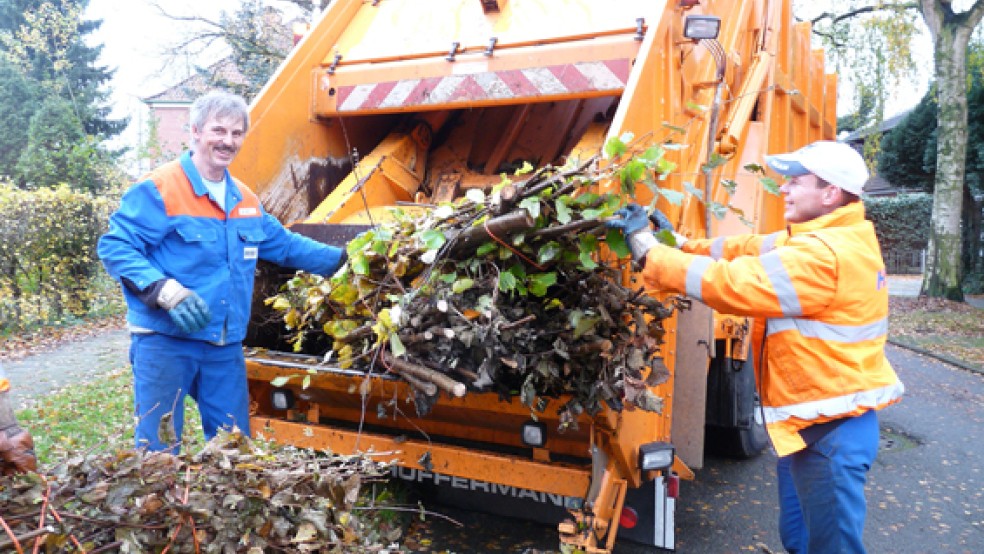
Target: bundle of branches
x=501, y=291
x=236, y=495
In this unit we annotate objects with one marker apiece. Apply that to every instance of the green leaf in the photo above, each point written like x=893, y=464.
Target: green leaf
x=594, y=213
x=540, y=282
x=696, y=107
x=486, y=248
x=616, y=242
x=614, y=148
x=359, y=242
x=507, y=282
x=585, y=324
x=729, y=185
x=462, y=285
x=359, y=263
x=716, y=161
x=396, y=345
x=562, y=205
x=632, y=173
x=531, y=205
x=587, y=262
x=717, y=209
x=651, y=156
x=674, y=197
x=432, y=239
x=664, y=167
x=280, y=380
x=448, y=278
x=549, y=252
x=755, y=168
x=770, y=184
x=696, y=192
x=526, y=168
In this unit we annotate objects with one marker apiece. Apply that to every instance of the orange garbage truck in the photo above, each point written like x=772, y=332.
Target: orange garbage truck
x=415, y=102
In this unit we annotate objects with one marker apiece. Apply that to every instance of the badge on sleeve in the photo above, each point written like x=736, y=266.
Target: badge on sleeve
x=251, y=253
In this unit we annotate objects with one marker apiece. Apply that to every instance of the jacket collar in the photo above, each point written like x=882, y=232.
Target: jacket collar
x=850, y=214
x=232, y=191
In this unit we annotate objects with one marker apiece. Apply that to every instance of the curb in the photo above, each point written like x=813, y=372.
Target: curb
x=941, y=357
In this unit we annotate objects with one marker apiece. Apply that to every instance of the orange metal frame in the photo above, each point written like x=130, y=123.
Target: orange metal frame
x=775, y=97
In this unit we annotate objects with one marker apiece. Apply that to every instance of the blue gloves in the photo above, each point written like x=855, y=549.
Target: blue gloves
x=661, y=222
x=187, y=310
x=634, y=219
x=191, y=314
x=634, y=225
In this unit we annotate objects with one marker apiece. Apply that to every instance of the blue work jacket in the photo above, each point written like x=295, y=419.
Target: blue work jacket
x=168, y=226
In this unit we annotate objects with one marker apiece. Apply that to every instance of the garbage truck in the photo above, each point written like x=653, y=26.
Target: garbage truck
x=389, y=103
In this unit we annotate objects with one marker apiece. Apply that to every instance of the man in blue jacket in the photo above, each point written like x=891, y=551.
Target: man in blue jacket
x=184, y=245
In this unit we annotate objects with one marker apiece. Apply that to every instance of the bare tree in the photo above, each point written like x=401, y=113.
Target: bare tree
x=951, y=32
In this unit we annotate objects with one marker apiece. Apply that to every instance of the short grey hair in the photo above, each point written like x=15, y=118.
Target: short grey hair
x=218, y=103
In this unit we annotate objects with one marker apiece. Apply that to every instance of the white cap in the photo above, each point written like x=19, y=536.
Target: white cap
x=835, y=162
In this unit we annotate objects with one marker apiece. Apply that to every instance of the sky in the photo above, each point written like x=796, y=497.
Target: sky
x=135, y=37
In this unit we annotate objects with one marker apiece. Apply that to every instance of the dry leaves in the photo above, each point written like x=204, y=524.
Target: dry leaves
x=234, y=496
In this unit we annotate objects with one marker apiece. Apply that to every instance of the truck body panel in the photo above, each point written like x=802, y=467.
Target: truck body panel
x=408, y=103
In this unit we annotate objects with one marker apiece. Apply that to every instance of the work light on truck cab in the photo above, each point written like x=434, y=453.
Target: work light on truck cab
x=701, y=27
x=656, y=456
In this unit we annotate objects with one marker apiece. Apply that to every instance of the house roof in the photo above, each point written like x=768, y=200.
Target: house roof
x=886, y=124
x=194, y=86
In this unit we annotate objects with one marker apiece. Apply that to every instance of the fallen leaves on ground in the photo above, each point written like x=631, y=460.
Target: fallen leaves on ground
x=235, y=495
x=949, y=329
x=20, y=345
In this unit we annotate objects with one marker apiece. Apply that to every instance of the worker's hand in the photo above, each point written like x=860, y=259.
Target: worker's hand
x=187, y=310
x=634, y=225
x=665, y=230
x=17, y=451
x=660, y=221
x=633, y=219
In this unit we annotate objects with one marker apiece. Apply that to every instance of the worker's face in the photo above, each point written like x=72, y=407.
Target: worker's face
x=805, y=200
x=216, y=144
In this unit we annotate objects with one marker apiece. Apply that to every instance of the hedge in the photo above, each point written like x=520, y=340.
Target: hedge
x=48, y=264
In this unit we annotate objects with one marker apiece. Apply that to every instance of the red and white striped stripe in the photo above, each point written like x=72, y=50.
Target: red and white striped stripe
x=557, y=80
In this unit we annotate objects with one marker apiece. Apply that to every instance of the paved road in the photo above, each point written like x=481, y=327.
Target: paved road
x=36, y=376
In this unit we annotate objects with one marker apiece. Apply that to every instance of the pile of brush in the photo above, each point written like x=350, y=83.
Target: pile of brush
x=516, y=290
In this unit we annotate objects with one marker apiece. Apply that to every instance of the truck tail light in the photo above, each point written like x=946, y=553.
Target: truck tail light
x=656, y=456
x=673, y=486
x=282, y=399
x=629, y=518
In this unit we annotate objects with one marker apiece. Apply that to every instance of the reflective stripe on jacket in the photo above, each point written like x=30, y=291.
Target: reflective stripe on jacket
x=168, y=226
x=820, y=296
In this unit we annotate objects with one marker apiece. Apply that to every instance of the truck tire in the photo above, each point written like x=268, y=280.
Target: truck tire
x=734, y=426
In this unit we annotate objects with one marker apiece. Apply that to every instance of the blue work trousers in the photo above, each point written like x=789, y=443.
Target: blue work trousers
x=821, y=489
x=166, y=369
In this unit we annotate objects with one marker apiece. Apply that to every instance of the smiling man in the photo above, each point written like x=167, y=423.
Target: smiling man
x=184, y=245
x=819, y=296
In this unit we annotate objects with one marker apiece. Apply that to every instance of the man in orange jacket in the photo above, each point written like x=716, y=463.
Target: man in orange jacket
x=16, y=444
x=819, y=293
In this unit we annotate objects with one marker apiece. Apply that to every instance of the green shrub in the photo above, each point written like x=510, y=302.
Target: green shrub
x=49, y=272
x=903, y=222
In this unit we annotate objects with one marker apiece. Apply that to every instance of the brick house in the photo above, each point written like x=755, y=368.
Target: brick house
x=169, y=109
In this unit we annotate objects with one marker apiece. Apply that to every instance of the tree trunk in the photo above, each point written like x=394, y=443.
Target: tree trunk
x=951, y=33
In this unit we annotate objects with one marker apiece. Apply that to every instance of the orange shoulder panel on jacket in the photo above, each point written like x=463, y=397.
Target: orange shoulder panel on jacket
x=179, y=196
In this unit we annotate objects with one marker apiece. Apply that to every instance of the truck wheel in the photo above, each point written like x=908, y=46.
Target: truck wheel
x=734, y=428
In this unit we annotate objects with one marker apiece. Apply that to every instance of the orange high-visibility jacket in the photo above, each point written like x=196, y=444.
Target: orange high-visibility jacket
x=819, y=294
